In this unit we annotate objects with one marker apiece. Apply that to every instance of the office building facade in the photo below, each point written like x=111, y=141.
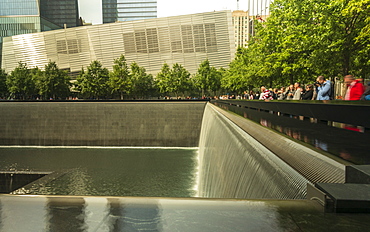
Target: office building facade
x=128, y=10
x=187, y=40
x=63, y=13
x=241, y=23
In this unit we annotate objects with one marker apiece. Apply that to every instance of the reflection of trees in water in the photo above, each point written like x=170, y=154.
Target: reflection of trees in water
x=66, y=214
x=134, y=217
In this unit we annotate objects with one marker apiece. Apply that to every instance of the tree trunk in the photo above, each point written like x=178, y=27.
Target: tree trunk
x=346, y=62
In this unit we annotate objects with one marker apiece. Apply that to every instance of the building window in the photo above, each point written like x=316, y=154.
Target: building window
x=143, y=41
x=187, y=38
x=152, y=39
x=199, y=39
x=183, y=39
x=140, y=41
x=129, y=43
x=210, y=32
x=71, y=46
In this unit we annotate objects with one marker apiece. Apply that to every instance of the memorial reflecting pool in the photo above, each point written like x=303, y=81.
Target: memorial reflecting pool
x=234, y=175
x=150, y=172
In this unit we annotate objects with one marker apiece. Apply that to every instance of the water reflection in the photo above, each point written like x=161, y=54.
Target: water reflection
x=66, y=214
x=22, y=214
x=151, y=214
x=321, y=145
x=134, y=217
x=108, y=172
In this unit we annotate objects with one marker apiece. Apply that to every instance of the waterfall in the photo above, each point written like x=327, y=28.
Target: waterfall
x=234, y=165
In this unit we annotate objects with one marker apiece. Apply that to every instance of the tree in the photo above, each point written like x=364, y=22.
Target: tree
x=359, y=12
x=163, y=79
x=180, y=79
x=304, y=39
x=175, y=80
x=53, y=82
x=320, y=35
x=142, y=83
x=21, y=81
x=237, y=77
x=119, y=78
x=3, y=87
x=94, y=81
x=215, y=84
x=207, y=78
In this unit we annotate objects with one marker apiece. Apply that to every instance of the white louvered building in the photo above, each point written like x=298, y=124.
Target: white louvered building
x=187, y=40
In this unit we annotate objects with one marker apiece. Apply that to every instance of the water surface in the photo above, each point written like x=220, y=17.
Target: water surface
x=109, y=171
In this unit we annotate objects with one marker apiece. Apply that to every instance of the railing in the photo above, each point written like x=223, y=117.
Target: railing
x=354, y=113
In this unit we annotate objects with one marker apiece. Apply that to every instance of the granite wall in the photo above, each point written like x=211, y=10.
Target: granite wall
x=167, y=124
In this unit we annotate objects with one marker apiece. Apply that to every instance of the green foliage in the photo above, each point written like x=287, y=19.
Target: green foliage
x=163, y=79
x=301, y=40
x=119, y=78
x=142, y=83
x=239, y=75
x=21, y=82
x=361, y=10
x=175, y=80
x=207, y=78
x=3, y=87
x=94, y=83
x=181, y=79
x=53, y=82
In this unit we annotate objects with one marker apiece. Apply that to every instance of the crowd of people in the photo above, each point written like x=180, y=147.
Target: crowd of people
x=322, y=89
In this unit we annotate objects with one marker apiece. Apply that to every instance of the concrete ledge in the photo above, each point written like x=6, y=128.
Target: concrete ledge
x=359, y=174
x=347, y=198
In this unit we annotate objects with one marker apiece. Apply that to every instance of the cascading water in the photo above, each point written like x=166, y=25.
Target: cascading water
x=235, y=165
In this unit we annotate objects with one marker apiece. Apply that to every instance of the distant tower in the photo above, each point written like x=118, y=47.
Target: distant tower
x=128, y=10
x=241, y=27
x=61, y=12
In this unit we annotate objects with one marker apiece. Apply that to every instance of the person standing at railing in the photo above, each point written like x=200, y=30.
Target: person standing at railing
x=265, y=94
x=355, y=88
x=298, y=91
x=281, y=94
x=246, y=95
x=308, y=94
x=323, y=88
x=290, y=92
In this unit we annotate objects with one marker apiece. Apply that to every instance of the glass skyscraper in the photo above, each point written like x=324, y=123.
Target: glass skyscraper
x=30, y=16
x=61, y=12
x=128, y=10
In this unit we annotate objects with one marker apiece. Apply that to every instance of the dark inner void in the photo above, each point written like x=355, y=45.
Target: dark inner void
x=10, y=181
x=107, y=172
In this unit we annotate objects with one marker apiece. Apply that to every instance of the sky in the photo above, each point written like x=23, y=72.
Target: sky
x=90, y=10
